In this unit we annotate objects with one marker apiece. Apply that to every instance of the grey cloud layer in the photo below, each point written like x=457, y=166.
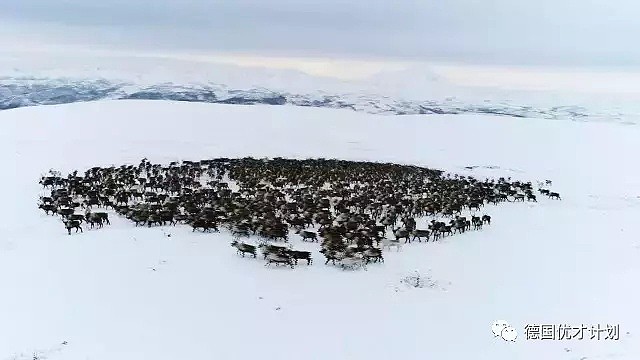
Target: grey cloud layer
x=599, y=32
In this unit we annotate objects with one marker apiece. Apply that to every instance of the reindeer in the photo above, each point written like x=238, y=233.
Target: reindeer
x=353, y=262
x=419, y=234
x=299, y=255
x=373, y=255
x=272, y=249
x=48, y=208
x=77, y=217
x=65, y=212
x=279, y=259
x=477, y=223
x=445, y=230
x=243, y=248
x=388, y=243
x=46, y=200
x=309, y=235
x=72, y=224
x=401, y=233
x=332, y=255
x=205, y=225
x=98, y=218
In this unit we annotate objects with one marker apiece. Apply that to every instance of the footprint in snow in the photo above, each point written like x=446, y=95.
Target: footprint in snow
x=161, y=262
x=39, y=354
x=7, y=246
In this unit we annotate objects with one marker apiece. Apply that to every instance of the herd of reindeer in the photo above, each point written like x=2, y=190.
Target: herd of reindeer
x=358, y=209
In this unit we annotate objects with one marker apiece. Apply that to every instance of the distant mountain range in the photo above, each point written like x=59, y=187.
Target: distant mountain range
x=16, y=92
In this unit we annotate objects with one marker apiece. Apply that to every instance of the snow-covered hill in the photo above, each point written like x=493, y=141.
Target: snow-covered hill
x=132, y=293
x=57, y=76
x=30, y=91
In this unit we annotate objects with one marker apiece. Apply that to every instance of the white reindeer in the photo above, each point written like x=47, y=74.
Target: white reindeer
x=353, y=262
x=388, y=243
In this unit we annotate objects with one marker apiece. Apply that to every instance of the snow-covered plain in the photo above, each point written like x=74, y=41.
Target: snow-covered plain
x=133, y=293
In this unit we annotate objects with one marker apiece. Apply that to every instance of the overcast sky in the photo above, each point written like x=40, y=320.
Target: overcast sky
x=518, y=32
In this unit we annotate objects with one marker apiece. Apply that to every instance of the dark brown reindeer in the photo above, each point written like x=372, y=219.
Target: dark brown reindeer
x=48, y=208
x=419, y=234
x=72, y=224
x=554, y=195
x=402, y=233
x=309, y=236
x=299, y=255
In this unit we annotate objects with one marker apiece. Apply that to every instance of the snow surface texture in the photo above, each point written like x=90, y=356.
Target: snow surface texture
x=131, y=293
x=18, y=92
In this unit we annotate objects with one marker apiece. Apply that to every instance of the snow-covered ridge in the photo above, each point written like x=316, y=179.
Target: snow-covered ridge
x=18, y=92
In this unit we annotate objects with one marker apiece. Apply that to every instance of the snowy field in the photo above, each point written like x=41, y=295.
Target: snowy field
x=135, y=293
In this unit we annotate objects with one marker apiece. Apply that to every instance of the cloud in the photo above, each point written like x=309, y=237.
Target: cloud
x=543, y=32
